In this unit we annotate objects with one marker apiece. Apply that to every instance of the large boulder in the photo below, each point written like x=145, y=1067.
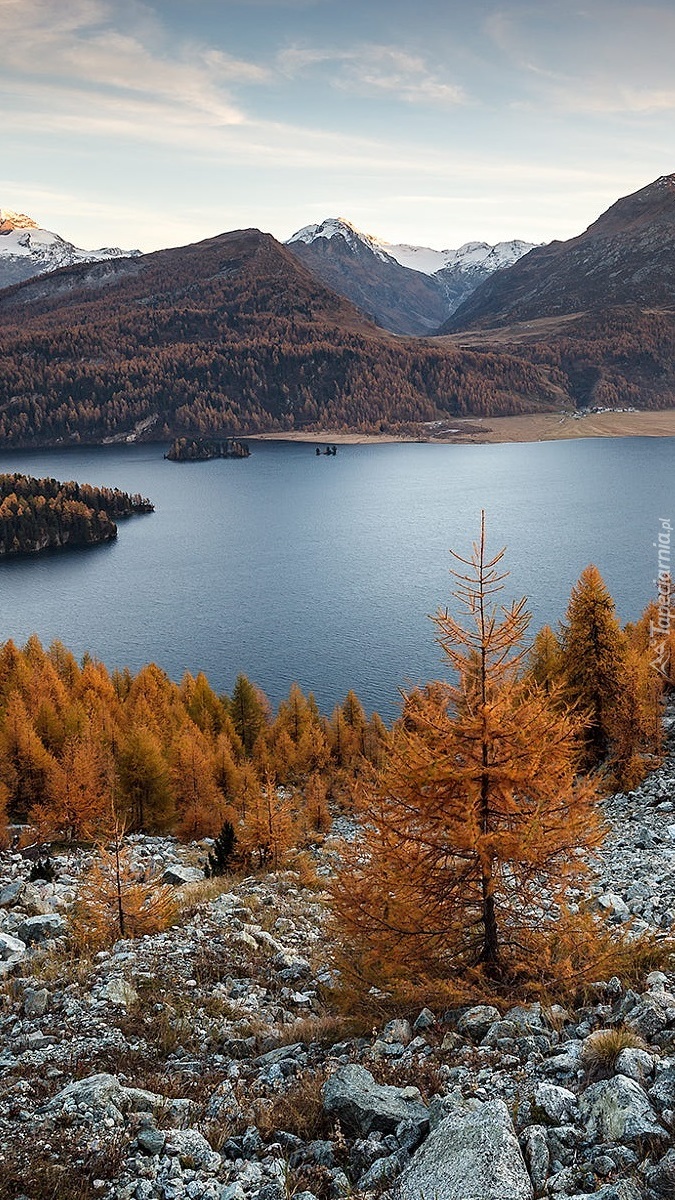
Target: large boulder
x=11, y=950
x=103, y=1093
x=618, y=1110
x=42, y=928
x=362, y=1105
x=469, y=1156
x=476, y=1021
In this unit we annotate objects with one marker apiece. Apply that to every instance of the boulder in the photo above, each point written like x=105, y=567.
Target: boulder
x=534, y=1145
x=192, y=1149
x=12, y=950
x=470, y=1156
x=654, y=1013
x=41, y=928
x=177, y=875
x=35, y=1002
x=661, y=1178
x=397, y=1031
x=618, y=1110
x=558, y=1104
x=12, y=892
x=476, y=1021
x=119, y=991
x=362, y=1105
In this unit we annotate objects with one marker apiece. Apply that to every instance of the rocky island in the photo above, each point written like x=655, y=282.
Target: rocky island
x=201, y=449
x=44, y=514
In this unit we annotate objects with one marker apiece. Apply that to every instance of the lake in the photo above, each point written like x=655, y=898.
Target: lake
x=292, y=566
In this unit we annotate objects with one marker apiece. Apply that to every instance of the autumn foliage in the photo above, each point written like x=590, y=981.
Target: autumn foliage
x=82, y=751
x=480, y=820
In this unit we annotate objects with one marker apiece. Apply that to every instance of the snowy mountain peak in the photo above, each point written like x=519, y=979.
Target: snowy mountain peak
x=10, y=220
x=470, y=256
x=27, y=250
x=334, y=227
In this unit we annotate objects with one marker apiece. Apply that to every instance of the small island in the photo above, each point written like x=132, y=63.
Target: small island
x=201, y=450
x=43, y=514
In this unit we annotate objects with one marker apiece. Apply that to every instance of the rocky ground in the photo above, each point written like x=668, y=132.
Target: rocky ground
x=203, y=1062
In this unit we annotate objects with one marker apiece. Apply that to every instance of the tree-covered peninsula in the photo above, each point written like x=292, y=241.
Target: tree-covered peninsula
x=44, y=514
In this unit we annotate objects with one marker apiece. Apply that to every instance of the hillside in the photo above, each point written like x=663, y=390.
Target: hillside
x=626, y=257
x=229, y=335
x=406, y=289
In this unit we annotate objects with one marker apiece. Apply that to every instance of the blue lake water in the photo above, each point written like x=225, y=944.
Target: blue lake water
x=290, y=566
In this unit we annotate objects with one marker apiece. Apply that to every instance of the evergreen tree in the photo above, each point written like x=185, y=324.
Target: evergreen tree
x=221, y=855
x=474, y=827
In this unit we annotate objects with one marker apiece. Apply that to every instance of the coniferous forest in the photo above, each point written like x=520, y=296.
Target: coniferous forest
x=44, y=514
x=487, y=787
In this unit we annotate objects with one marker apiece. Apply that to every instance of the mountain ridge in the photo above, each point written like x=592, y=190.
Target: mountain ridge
x=27, y=250
x=406, y=289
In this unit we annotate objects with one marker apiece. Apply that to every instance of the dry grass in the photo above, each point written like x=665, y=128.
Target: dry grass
x=603, y=1047
x=299, y=1110
x=58, y=1172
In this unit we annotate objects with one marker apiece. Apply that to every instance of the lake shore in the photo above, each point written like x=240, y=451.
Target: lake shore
x=532, y=427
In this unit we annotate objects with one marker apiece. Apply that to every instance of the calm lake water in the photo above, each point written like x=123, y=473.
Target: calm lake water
x=289, y=566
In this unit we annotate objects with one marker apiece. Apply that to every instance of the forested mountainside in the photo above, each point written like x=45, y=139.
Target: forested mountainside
x=228, y=336
x=44, y=514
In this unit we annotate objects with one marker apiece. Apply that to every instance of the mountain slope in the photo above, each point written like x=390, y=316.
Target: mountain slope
x=230, y=335
x=27, y=250
x=355, y=265
x=406, y=289
x=626, y=257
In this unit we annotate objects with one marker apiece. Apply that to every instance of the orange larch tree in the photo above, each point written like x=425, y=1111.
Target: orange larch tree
x=477, y=823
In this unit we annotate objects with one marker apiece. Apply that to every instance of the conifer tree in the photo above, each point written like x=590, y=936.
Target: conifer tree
x=593, y=663
x=249, y=712
x=476, y=822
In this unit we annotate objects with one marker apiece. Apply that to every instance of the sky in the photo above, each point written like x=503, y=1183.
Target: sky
x=432, y=122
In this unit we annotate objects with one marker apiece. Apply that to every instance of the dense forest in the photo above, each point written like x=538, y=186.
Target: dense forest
x=229, y=336
x=44, y=514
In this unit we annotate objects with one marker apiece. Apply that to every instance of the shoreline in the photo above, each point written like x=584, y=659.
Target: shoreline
x=530, y=427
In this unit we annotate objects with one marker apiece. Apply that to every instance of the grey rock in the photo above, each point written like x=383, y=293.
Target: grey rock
x=11, y=894
x=35, y=1002
x=425, y=1020
x=151, y=1140
x=397, y=1031
x=527, y=1019
x=12, y=950
x=652, y=1015
x=558, y=1104
x=192, y=1150
x=472, y=1156
x=534, y=1145
x=384, y=1170
x=476, y=1021
x=618, y=1110
x=361, y=1105
x=177, y=875
x=662, y=1092
x=42, y=928
x=120, y=992
x=636, y=1064
x=661, y=1178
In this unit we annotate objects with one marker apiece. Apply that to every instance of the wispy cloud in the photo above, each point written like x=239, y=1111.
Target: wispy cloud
x=605, y=58
x=370, y=69
x=79, y=46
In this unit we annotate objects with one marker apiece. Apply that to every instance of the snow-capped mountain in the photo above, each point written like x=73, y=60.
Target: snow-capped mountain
x=367, y=270
x=27, y=250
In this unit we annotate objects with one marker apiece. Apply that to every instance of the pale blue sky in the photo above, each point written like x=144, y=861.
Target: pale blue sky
x=158, y=123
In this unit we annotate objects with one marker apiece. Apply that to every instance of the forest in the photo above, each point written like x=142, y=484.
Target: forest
x=228, y=337
x=44, y=514
x=483, y=797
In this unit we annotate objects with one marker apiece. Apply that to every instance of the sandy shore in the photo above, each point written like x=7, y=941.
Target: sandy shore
x=535, y=427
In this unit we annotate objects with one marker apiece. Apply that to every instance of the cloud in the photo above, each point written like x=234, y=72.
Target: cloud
x=78, y=45
x=600, y=59
x=372, y=69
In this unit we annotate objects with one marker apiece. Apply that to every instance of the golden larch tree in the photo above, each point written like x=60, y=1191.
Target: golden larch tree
x=477, y=823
